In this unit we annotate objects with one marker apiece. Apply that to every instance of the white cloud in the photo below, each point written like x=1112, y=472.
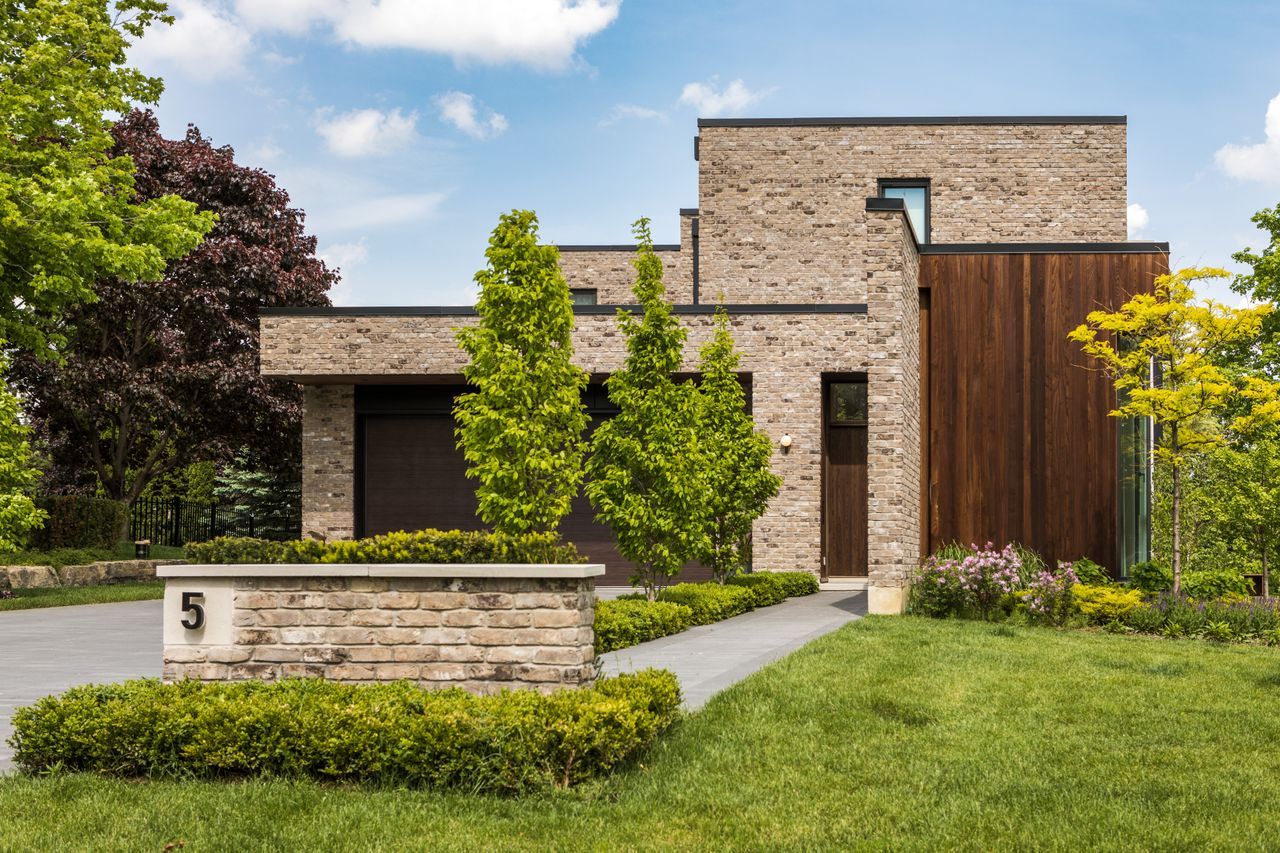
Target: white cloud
x=459, y=109
x=264, y=152
x=1260, y=162
x=541, y=33
x=621, y=112
x=343, y=257
x=377, y=212
x=1138, y=219
x=731, y=100
x=361, y=133
x=203, y=43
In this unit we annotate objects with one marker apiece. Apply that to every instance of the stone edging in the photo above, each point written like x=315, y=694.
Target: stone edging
x=90, y=574
x=569, y=571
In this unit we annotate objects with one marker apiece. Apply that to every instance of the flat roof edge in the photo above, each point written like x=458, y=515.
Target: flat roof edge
x=613, y=247
x=585, y=310
x=1127, y=248
x=872, y=121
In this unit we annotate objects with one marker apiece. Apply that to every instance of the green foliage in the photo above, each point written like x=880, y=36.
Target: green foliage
x=78, y=521
x=626, y=622
x=19, y=515
x=1151, y=576
x=57, y=557
x=646, y=477
x=1262, y=284
x=521, y=429
x=513, y=743
x=1216, y=583
x=1105, y=604
x=1089, y=572
x=710, y=602
x=68, y=212
x=767, y=588
x=736, y=457
x=795, y=583
x=272, y=499
x=422, y=546
x=1187, y=342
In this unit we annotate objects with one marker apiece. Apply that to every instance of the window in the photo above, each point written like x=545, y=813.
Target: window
x=847, y=403
x=582, y=295
x=915, y=196
x=1133, y=482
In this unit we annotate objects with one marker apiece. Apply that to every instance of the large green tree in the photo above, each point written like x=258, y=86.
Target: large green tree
x=736, y=457
x=18, y=513
x=645, y=476
x=521, y=429
x=1164, y=351
x=68, y=212
x=1242, y=499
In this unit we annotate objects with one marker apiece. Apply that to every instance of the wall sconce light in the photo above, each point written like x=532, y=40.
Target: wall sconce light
x=785, y=442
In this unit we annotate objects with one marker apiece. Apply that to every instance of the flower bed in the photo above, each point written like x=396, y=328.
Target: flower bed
x=397, y=733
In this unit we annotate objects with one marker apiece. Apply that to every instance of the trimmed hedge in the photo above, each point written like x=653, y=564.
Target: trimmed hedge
x=398, y=733
x=627, y=622
x=709, y=602
x=76, y=521
x=794, y=583
x=767, y=589
x=422, y=546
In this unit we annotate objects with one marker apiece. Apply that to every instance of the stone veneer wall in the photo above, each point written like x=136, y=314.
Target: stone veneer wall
x=481, y=634
x=610, y=273
x=328, y=461
x=782, y=216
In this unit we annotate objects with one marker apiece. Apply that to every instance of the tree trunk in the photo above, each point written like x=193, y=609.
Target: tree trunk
x=1266, y=581
x=1177, y=510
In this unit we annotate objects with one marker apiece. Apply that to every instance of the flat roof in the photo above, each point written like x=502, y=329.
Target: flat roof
x=871, y=121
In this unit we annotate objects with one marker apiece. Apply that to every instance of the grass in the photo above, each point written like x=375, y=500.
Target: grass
x=892, y=733
x=59, y=557
x=26, y=599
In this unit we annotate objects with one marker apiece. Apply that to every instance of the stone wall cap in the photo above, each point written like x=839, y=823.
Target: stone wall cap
x=384, y=570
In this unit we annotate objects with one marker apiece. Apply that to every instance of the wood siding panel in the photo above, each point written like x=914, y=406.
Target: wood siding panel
x=1021, y=447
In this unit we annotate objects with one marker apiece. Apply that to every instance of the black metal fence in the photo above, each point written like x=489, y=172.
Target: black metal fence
x=175, y=522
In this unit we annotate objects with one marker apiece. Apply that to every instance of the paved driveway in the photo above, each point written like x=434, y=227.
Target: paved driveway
x=47, y=650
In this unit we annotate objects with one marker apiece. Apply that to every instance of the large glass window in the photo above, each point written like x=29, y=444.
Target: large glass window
x=915, y=197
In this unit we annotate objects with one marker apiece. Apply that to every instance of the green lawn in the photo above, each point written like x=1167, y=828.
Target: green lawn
x=893, y=733
x=25, y=599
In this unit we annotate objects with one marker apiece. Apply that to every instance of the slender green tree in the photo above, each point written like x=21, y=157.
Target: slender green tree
x=521, y=429
x=1243, y=499
x=1164, y=352
x=736, y=457
x=645, y=476
x=18, y=474
x=68, y=210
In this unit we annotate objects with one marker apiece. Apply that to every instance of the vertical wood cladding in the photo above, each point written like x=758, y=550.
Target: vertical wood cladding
x=1021, y=447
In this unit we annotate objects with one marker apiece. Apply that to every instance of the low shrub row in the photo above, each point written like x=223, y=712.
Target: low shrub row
x=398, y=733
x=1231, y=619
x=421, y=546
x=631, y=619
x=76, y=521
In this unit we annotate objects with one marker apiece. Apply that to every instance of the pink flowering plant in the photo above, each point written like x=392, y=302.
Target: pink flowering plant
x=959, y=581
x=1049, y=598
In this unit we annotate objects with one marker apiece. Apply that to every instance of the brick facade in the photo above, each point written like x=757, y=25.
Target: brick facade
x=328, y=461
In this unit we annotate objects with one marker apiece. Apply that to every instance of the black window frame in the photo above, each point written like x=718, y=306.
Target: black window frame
x=593, y=292
x=829, y=414
x=925, y=184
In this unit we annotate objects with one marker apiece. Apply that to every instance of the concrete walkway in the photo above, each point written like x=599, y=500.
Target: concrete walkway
x=47, y=650
x=709, y=658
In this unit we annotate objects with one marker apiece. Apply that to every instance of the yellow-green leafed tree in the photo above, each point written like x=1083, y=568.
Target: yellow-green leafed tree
x=1164, y=351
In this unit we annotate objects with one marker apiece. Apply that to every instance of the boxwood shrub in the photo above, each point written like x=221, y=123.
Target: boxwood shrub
x=710, y=602
x=397, y=733
x=766, y=588
x=76, y=521
x=794, y=583
x=627, y=622
x=422, y=546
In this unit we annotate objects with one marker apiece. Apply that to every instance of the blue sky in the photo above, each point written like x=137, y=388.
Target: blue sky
x=404, y=127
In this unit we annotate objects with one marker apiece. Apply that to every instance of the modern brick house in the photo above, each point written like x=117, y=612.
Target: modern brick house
x=900, y=289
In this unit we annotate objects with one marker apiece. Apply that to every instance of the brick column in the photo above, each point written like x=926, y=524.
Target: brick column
x=328, y=461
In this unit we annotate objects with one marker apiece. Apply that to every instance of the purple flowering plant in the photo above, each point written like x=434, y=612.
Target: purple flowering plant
x=958, y=581
x=1049, y=598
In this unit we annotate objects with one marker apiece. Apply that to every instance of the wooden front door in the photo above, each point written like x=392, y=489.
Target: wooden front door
x=844, y=478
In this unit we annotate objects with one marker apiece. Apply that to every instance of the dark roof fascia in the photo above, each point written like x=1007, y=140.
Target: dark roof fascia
x=895, y=205
x=688, y=211
x=872, y=121
x=617, y=247
x=469, y=311
x=1132, y=248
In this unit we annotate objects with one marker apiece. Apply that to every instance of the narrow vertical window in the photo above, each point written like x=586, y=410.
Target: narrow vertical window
x=1133, y=489
x=915, y=197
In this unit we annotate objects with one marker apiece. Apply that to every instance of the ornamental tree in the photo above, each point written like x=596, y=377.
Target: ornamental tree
x=18, y=514
x=1164, y=352
x=69, y=210
x=646, y=477
x=162, y=373
x=1243, y=499
x=521, y=429
x=736, y=457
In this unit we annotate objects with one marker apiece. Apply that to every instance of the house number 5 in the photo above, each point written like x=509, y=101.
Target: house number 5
x=196, y=620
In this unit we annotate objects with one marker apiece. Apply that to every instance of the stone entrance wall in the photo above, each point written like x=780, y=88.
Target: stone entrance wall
x=438, y=626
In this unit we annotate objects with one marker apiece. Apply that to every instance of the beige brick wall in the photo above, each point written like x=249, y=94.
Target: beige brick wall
x=482, y=634
x=611, y=274
x=328, y=461
x=782, y=208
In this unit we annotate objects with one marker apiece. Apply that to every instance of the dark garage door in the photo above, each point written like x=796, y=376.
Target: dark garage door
x=413, y=476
